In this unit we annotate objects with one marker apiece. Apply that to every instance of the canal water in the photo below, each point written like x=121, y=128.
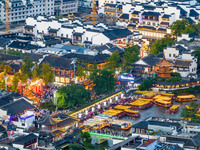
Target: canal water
x=157, y=111
x=154, y=111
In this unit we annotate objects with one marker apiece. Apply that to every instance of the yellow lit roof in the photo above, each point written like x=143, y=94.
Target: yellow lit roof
x=150, y=94
x=174, y=107
x=131, y=111
x=141, y=92
x=166, y=94
x=121, y=107
x=112, y=112
x=186, y=96
x=163, y=101
x=166, y=98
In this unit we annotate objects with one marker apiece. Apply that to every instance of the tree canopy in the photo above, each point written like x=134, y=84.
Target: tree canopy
x=191, y=112
x=15, y=81
x=72, y=95
x=36, y=72
x=26, y=66
x=47, y=73
x=113, y=61
x=48, y=105
x=179, y=26
x=130, y=56
x=146, y=85
x=158, y=45
x=104, y=81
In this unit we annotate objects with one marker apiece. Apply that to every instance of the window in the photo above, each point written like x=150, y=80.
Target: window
x=174, y=55
x=169, y=55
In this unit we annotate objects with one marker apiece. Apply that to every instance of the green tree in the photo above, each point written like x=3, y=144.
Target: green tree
x=85, y=136
x=146, y=85
x=13, y=52
x=47, y=73
x=113, y=61
x=75, y=146
x=5, y=68
x=104, y=81
x=48, y=105
x=179, y=26
x=72, y=95
x=26, y=66
x=158, y=45
x=15, y=81
x=130, y=56
x=197, y=54
x=36, y=71
x=81, y=71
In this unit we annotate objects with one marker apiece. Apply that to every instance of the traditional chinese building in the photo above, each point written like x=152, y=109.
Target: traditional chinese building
x=163, y=69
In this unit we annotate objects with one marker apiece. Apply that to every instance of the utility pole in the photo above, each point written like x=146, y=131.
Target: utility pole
x=74, y=64
x=5, y=78
x=55, y=98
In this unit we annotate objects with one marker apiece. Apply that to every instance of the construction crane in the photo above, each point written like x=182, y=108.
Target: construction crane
x=7, y=18
x=94, y=10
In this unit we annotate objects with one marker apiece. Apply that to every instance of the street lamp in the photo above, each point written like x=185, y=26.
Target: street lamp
x=74, y=64
x=5, y=79
x=55, y=98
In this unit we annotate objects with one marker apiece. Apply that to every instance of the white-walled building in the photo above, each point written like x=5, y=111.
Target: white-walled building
x=78, y=32
x=21, y=9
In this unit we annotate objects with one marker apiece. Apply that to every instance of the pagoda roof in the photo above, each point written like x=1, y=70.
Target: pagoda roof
x=164, y=63
x=46, y=120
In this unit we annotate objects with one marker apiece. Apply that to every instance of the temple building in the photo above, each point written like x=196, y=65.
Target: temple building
x=163, y=69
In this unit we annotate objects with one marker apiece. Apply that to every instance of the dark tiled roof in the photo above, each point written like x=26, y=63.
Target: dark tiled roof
x=182, y=63
x=5, y=57
x=188, y=142
x=8, y=98
x=4, y=42
x=190, y=20
x=33, y=56
x=146, y=27
x=151, y=13
x=58, y=62
x=182, y=11
x=88, y=58
x=110, y=5
x=53, y=30
x=22, y=45
x=181, y=49
x=148, y=7
x=141, y=125
x=101, y=48
x=151, y=60
x=77, y=34
x=166, y=16
x=194, y=34
x=66, y=122
x=17, y=107
x=46, y=120
x=196, y=139
x=164, y=23
x=132, y=25
x=162, y=29
x=25, y=139
x=116, y=48
x=160, y=55
x=135, y=12
x=28, y=27
x=117, y=33
x=124, y=16
x=193, y=13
